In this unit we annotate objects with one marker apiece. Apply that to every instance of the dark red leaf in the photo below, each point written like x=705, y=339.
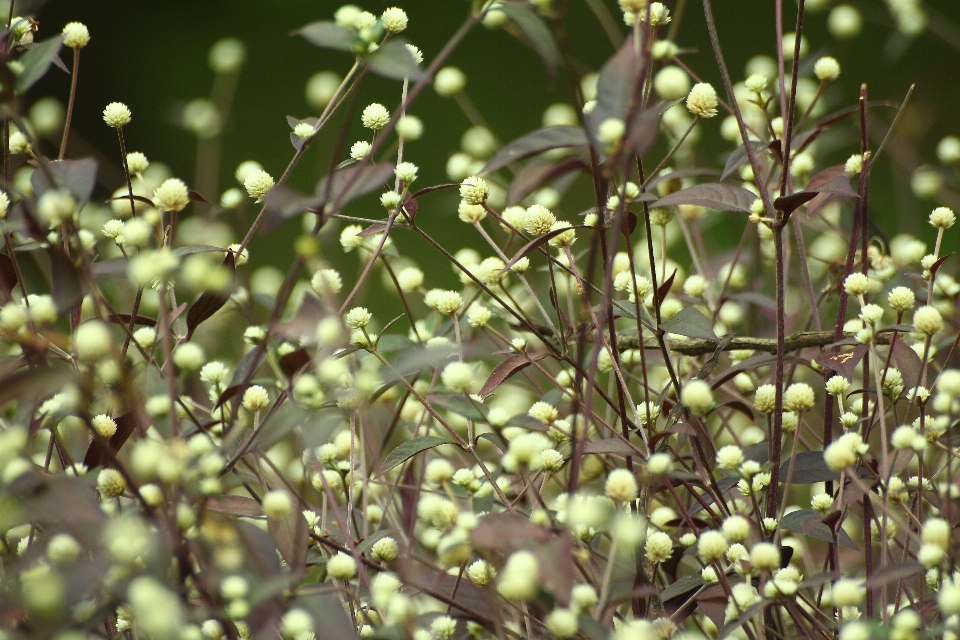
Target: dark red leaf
x=536, y=174
x=294, y=361
x=537, y=33
x=535, y=143
x=908, y=362
x=715, y=195
x=506, y=368
x=843, y=362
x=124, y=319
x=96, y=456
x=664, y=288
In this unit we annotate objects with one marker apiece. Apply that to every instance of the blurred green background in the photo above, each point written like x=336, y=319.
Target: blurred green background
x=153, y=57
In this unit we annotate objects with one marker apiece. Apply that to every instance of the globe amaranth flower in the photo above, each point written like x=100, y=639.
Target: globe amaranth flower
x=394, y=19
x=172, y=195
x=375, y=116
x=76, y=35
x=258, y=183
x=702, y=100
x=449, y=81
x=116, y=115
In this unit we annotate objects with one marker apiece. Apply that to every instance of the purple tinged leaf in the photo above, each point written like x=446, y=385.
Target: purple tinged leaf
x=507, y=368
x=691, y=323
x=908, y=362
x=36, y=61
x=342, y=187
x=328, y=35
x=393, y=60
x=539, y=35
x=79, y=177
x=535, y=143
x=723, y=197
x=843, y=362
x=739, y=156
x=537, y=174
x=615, y=86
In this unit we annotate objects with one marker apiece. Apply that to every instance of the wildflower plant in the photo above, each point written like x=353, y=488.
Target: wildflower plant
x=613, y=427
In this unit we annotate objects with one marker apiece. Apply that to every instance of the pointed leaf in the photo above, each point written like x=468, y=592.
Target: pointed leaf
x=182, y=252
x=691, y=323
x=808, y=467
x=838, y=186
x=505, y=369
x=460, y=405
x=497, y=440
x=739, y=156
x=96, y=455
x=235, y=505
x=294, y=361
x=292, y=536
x=723, y=197
x=908, y=362
x=843, y=362
x=684, y=587
x=897, y=571
x=205, y=306
x=539, y=35
x=409, y=449
x=393, y=60
x=536, y=242
x=615, y=87
x=819, y=180
x=36, y=61
x=328, y=35
x=615, y=446
x=537, y=174
x=79, y=177
x=67, y=285
x=810, y=523
x=536, y=142
x=342, y=187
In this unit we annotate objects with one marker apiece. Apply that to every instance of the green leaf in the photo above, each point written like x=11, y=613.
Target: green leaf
x=498, y=440
x=393, y=60
x=682, y=587
x=409, y=449
x=691, y=323
x=539, y=35
x=810, y=523
x=537, y=142
x=372, y=539
x=36, y=61
x=328, y=35
x=722, y=197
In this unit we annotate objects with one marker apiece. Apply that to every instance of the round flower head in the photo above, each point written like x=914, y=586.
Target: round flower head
x=303, y=130
x=326, y=282
x=255, y=398
x=538, y=220
x=942, y=218
x=4, y=204
x=611, y=131
x=137, y=162
x=697, y=395
x=104, y=425
x=765, y=398
x=927, y=320
x=562, y=623
x=671, y=83
x=711, y=546
x=837, y=385
x=76, y=35
x=93, y=341
x=564, y=238
x=856, y=284
x=827, y=69
x=409, y=127
x=449, y=81
x=702, y=100
x=172, y=195
x=364, y=20
x=357, y=318
x=226, y=55
x=457, y=376
x=621, y=486
x=799, y=396
x=901, y=299
x=111, y=484
x=56, y=206
x=658, y=547
x=258, y=183
x=394, y=20
x=375, y=116
x=19, y=143
x=471, y=213
x=296, y=622
x=277, y=504
x=321, y=87
x=406, y=172
x=384, y=550
x=360, y=149
x=948, y=150
x=415, y=52
x=116, y=115
x=518, y=580
x=474, y=190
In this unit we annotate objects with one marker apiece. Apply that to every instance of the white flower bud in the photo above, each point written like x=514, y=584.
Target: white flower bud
x=116, y=115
